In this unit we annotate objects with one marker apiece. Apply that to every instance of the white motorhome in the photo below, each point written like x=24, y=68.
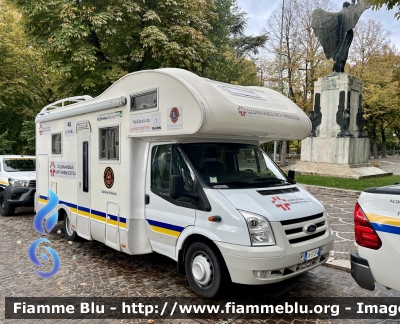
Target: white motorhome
x=166, y=161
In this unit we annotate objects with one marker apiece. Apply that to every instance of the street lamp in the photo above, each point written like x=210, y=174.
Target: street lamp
x=280, y=65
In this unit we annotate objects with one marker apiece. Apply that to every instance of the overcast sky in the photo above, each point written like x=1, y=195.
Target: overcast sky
x=258, y=12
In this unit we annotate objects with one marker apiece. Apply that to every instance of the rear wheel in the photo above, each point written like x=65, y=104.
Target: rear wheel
x=70, y=234
x=206, y=270
x=5, y=208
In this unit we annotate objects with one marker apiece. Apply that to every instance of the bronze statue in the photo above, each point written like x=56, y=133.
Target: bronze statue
x=343, y=115
x=335, y=30
x=315, y=115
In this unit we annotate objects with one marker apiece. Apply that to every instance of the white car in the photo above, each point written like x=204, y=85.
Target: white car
x=377, y=232
x=17, y=182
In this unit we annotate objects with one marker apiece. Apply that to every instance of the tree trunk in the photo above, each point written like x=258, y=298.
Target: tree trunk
x=283, y=153
x=374, y=143
x=384, y=154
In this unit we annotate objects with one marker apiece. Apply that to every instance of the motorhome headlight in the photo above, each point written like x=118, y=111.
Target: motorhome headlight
x=259, y=229
x=18, y=183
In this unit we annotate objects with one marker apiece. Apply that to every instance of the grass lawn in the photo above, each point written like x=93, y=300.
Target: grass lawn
x=353, y=184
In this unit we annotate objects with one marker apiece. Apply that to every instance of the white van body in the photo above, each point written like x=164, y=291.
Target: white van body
x=17, y=182
x=108, y=160
x=378, y=238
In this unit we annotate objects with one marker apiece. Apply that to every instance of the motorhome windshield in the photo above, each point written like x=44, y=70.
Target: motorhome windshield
x=20, y=164
x=227, y=165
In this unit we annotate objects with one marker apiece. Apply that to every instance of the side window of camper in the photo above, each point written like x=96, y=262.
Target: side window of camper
x=56, y=143
x=109, y=143
x=144, y=100
x=160, y=167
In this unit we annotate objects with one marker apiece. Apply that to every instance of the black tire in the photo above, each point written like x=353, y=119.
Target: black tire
x=5, y=208
x=70, y=234
x=204, y=256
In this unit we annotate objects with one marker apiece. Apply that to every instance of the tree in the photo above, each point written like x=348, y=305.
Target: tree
x=22, y=81
x=231, y=62
x=381, y=96
x=303, y=59
x=373, y=61
x=390, y=4
x=91, y=43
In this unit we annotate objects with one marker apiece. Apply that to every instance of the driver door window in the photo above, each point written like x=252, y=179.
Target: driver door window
x=167, y=160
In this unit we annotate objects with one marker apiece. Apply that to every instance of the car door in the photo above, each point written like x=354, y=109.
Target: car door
x=166, y=218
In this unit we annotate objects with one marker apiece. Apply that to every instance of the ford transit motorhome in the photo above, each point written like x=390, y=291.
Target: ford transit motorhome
x=166, y=161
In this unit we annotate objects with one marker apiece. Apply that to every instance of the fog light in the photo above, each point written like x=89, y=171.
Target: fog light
x=15, y=196
x=261, y=273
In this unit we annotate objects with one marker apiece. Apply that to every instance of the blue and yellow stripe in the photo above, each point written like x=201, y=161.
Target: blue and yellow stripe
x=384, y=223
x=3, y=184
x=165, y=228
x=92, y=213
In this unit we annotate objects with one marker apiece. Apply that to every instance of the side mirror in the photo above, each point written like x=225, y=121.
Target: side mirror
x=291, y=174
x=175, y=186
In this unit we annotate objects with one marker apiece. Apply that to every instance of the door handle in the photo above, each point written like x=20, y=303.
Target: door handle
x=80, y=184
x=146, y=199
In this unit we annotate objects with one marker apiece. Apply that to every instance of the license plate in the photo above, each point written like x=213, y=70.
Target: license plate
x=309, y=255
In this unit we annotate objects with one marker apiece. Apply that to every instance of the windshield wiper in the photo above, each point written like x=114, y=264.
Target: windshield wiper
x=234, y=183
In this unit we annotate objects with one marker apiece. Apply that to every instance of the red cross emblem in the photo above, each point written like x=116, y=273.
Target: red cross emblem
x=41, y=129
x=52, y=168
x=242, y=111
x=281, y=203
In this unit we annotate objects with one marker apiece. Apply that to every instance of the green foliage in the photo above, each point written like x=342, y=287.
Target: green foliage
x=5, y=144
x=22, y=79
x=230, y=62
x=390, y=4
x=92, y=43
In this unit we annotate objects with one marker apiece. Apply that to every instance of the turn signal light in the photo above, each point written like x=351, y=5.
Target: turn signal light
x=214, y=218
x=364, y=232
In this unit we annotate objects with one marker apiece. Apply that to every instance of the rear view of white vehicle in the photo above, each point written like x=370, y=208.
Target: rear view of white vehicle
x=377, y=232
x=17, y=182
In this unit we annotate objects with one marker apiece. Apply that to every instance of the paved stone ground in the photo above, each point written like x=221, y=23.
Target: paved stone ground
x=391, y=164
x=89, y=268
x=339, y=207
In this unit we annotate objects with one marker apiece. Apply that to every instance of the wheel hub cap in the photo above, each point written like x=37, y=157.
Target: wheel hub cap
x=202, y=269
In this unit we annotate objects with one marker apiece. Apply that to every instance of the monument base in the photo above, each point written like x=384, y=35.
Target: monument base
x=339, y=171
x=332, y=150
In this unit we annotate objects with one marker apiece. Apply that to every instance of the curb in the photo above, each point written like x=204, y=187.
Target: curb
x=343, y=265
x=331, y=191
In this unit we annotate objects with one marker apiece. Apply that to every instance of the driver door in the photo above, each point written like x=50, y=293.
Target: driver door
x=167, y=218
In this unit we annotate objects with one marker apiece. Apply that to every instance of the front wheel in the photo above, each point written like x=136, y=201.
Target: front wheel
x=5, y=208
x=70, y=234
x=206, y=270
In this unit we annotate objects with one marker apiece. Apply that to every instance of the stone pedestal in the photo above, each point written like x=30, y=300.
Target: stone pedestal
x=338, y=91
x=333, y=150
x=336, y=147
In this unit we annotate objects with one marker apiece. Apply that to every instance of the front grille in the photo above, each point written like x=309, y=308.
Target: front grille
x=32, y=184
x=306, y=238
x=301, y=220
x=278, y=191
x=294, y=228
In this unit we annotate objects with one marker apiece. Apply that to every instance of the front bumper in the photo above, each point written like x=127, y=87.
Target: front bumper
x=361, y=272
x=20, y=196
x=268, y=264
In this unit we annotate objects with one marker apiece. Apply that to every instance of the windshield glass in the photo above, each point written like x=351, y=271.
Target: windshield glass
x=20, y=164
x=227, y=165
